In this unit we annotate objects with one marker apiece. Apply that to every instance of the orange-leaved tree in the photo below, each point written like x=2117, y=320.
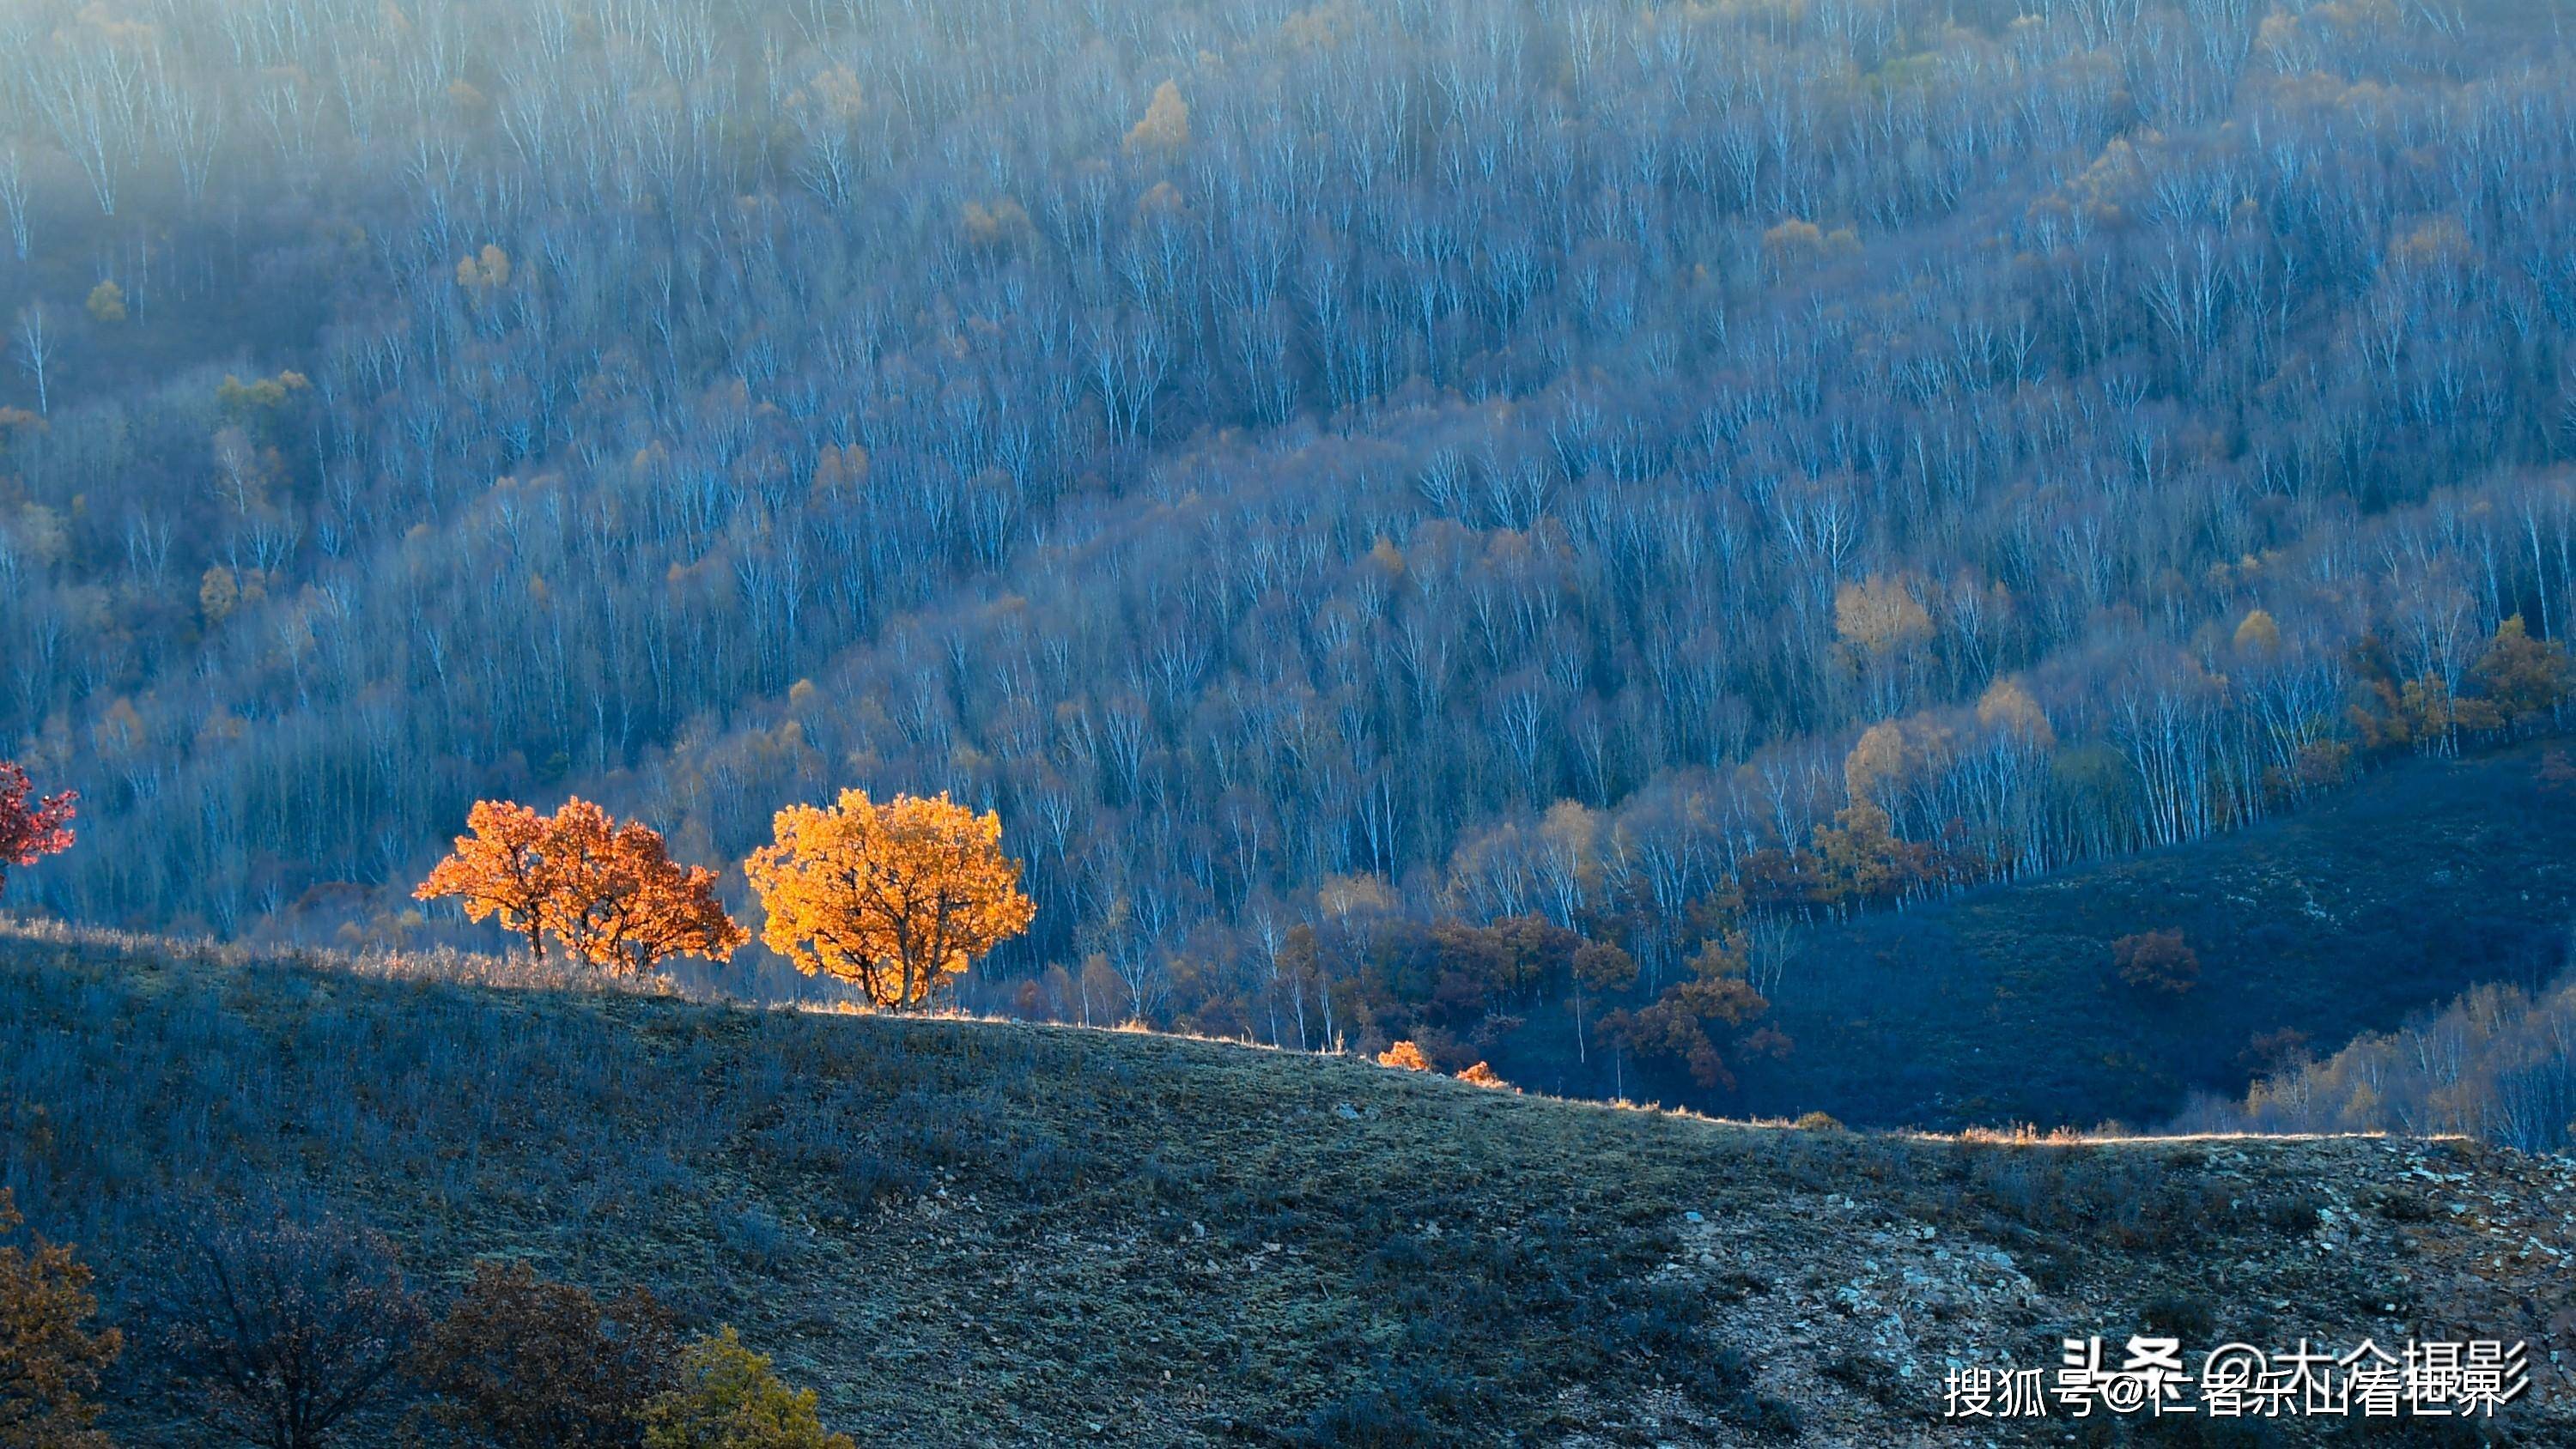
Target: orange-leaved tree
x=502, y=869
x=611, y=893
x=29, y=831
x=1692, y=1017
x=622, y=903
x=896, y=898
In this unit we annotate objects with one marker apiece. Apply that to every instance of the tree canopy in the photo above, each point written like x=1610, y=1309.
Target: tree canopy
x=50, y=1354
x=31, y=828
x=610, y=893
x=896, y=898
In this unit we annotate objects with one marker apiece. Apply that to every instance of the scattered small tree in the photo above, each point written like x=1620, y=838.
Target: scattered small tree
x=1686, y=1021
x=729, y=1399
x=2258, y=634
x=1166, y=124
x=897, y=898
x=283, y=1334
x=49, y=1358
x=521, y=1363
x=2525, y=678
x=29, y=832
x=2156, y=961
x=1880, y=616
x=484, y=273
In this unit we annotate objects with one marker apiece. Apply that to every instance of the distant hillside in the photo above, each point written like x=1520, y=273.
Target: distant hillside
x=1260, y=446
x=974, y=1232
x=2499, y=1064
x=2001, y=1005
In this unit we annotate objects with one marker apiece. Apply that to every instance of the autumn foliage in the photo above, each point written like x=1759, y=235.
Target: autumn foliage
x=896, y=899
x=1694, y=1019
x=499, y=870
x=610, y=893
x=2156, y=961
x=729, y=1398
x=49, y=1358
x=523, y=1363
x=28, y=832
x=625, y=905
x=1405, y=1056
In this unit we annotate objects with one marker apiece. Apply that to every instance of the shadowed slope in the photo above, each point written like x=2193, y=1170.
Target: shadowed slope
x=2001, y=1005
x=968, y=1231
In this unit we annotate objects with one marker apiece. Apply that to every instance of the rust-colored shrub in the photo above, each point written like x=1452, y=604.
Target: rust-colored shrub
x=524, y=1363
x=2156, y=961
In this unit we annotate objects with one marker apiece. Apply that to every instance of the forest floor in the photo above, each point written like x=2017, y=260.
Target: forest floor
x=970, y=1232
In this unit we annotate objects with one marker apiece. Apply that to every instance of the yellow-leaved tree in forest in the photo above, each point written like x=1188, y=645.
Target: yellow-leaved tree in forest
x=896, y=899
x=611, y=893
x=50, y=1359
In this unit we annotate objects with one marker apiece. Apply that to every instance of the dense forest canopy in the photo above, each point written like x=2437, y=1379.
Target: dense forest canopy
x=1612, y=464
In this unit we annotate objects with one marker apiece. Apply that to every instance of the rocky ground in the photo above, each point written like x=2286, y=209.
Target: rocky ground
x=1865, y=1303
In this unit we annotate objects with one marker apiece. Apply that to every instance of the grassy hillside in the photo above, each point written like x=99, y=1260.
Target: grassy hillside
x=2388, y=899
x=973, y=1232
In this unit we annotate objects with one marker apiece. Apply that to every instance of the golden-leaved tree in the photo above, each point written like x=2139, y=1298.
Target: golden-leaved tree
x=611, y=893
x=896, y=899
x=729, y=1398
x=49, y=1357
x=1405, y=1056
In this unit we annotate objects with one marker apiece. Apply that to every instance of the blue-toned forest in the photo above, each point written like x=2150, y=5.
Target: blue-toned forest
x=1555, y=531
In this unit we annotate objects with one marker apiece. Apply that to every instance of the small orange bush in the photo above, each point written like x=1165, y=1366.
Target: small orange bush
x=1406, y=1056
